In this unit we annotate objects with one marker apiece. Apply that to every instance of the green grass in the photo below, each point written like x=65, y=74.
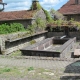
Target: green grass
x=16, y=53
x=30, y=68
x=4, y=70
x=29, y=72
x=7, y=72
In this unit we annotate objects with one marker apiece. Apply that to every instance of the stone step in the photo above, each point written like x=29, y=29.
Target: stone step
x=77, y=52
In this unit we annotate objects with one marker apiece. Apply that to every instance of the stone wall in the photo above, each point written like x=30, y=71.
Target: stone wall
x=66, y=48
x=16, y=41
x=55, y=34
x=40, y=48
x=59, y=34
x=39, y=14
x=76, y=17
x=25, y=23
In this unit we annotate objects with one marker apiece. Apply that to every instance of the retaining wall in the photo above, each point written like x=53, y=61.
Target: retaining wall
x=16, y=41
x=59, y=34
x=39, y=49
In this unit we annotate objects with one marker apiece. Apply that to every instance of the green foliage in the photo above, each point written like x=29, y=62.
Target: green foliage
x=48, y=17
x=31, y=29
x=72, y=19
x=16, y=53
x=6, y=70
x=13, y=27
x=38, y=6
x=59, y=22
x=40, y=23
x=3, y=70
x=30, y=68
x=78, y=25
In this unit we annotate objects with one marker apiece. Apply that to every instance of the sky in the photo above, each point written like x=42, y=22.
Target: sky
x=14, y=5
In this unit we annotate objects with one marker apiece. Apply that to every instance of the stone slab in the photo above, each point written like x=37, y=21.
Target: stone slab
x=77, y=52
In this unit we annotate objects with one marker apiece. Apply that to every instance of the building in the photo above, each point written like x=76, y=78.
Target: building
x=71, y=10
x=25, y=17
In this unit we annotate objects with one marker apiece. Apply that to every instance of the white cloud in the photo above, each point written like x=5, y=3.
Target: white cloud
x=52, y=2
x=25, y=4
x=48, y=4
x=17, y=5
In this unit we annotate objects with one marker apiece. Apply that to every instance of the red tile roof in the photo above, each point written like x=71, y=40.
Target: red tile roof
x=70, y=8
x=16, y=15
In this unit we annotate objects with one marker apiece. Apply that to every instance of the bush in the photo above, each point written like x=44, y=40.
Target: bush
x=13, y=27
x=40, y=23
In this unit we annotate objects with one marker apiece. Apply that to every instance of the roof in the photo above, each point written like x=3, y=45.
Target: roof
x=16, y=15
x=70, y=8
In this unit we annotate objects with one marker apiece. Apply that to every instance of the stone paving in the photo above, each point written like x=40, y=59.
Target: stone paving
x=50, y=64
x=65, y=69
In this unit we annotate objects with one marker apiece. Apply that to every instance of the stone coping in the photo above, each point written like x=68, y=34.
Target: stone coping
x=31, y=47
x=12, y=39
x=57, y=50
x=66, y=44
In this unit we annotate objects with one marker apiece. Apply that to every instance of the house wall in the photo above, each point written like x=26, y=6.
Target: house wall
x=39, y=14
x=25, y=23
x=75, y=17
x=60, y=34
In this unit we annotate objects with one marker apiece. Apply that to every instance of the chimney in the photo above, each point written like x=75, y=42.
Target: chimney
x=35, y=5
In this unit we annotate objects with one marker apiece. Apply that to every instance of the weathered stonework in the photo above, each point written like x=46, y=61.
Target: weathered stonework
x=16, y=41
x=59, y=34
x=26, y=22
x=46, y=48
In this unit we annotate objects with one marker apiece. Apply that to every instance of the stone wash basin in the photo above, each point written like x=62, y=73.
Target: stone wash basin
x=50, y=47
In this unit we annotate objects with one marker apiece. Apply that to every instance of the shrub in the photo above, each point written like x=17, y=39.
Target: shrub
x=40, y=23
x=13, y=27
x=48, y=16
x=30, y=29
